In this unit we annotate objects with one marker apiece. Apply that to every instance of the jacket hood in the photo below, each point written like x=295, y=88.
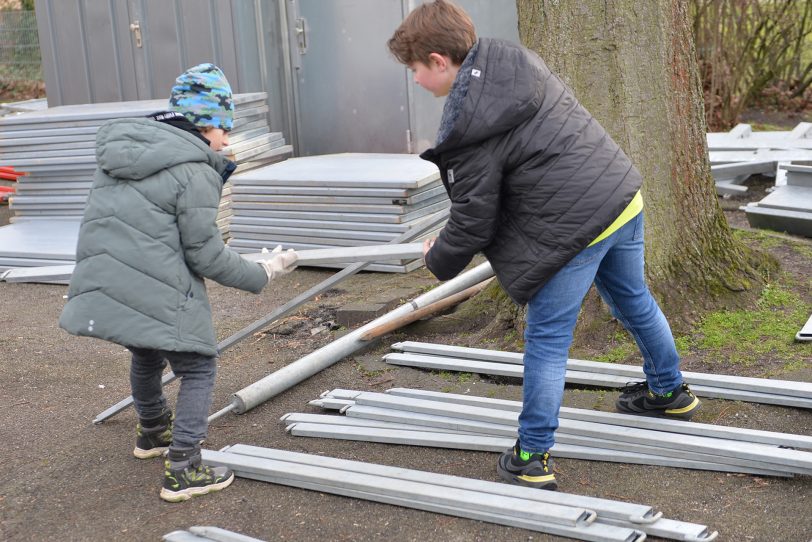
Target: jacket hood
x=503, y=90
x=134, y=149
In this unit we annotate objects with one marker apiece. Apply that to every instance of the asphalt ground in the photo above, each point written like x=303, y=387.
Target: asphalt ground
x=67, y=479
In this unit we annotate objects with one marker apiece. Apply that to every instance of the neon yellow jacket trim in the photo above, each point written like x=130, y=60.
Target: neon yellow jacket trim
x=631, y=211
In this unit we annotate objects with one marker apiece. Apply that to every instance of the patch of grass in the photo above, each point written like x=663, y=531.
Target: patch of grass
x=683, y=344
x=748, y=337
x=766, y=127
x=460, y=378
x=766, y=238
x=367, y=373
x=624, y=347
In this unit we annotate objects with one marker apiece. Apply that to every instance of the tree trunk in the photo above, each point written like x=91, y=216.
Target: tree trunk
x=632, y=65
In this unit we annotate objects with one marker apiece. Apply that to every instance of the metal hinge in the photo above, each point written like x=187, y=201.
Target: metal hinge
x=135, y=28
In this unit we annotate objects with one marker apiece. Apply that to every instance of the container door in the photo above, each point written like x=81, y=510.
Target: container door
x=350, y=94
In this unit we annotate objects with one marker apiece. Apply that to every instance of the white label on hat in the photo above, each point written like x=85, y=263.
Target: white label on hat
x=476, y=73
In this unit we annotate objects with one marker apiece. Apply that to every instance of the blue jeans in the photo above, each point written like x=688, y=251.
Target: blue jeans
x=615, y=265
x=196, y=373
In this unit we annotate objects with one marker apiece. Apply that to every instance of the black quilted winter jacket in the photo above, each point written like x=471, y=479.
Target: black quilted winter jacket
x=533, y=178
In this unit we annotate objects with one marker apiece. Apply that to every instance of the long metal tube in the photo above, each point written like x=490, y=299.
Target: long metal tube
x=290, y=375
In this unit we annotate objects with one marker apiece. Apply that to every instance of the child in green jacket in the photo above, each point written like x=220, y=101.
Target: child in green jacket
x=147, y=240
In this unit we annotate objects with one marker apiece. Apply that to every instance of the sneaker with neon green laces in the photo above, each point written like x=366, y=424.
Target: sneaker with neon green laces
x=527, y=469
x=186, y=476
x=637, y=398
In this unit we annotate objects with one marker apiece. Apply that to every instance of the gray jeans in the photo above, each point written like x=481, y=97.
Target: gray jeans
x=196, y=373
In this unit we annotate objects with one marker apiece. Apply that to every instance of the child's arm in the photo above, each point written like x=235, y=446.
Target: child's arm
x=474, y=217
x=202, y=242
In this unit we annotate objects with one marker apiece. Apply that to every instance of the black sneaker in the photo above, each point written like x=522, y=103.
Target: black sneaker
x=153, y=436
x=185, y=476
x=525, y=469
x=637, y=398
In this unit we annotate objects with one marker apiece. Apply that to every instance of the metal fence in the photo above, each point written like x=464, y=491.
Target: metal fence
x=19, y=46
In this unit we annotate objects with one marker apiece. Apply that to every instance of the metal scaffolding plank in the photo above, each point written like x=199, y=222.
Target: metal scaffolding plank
x=763, y=385
x=289, y=473
x=398, y=193
x=363, y=201
x=346, y=170
x=330, y=419
x=260, y=203
x=333, y=224
x=790, y=460
x=239, y=230
x=614, y=418
x=491, y=444
x=255, y=468
x=350, y=217
x=606, y=508
x=805, y=334
x=439, y=422
x=216, y=534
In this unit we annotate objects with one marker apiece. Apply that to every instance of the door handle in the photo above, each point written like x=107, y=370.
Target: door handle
x=135, y=28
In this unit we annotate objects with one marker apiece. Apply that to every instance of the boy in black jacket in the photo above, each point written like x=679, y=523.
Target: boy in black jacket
x=540, y=188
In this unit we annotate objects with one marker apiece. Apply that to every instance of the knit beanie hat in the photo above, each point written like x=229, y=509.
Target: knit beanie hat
x=202, y=94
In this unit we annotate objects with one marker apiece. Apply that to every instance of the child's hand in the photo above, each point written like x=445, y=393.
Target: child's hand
x=427, y=244
x=278, y=263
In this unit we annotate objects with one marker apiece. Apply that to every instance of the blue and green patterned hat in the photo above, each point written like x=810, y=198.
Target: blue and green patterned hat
x=202, y=94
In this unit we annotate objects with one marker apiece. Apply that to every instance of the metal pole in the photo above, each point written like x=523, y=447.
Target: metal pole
x=287, y=308
x=290, y=375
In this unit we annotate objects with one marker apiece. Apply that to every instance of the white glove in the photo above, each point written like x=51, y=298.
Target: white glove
x=279, y=263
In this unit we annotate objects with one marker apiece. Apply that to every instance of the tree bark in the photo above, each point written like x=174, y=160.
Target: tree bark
x=633, y=66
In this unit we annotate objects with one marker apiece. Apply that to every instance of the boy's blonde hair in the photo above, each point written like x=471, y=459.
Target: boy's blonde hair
x=435, y=27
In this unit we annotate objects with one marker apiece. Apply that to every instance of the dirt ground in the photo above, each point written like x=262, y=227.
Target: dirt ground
x=72, y=480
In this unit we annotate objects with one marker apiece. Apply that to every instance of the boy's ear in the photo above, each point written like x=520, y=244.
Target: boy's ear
x=442, y=62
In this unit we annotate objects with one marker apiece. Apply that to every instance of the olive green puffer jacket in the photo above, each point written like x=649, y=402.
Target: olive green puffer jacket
x=148, y=238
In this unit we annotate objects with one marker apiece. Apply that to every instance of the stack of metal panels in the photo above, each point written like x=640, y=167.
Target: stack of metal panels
x=55, y=147
x=740, y=153
x=789, y=207
x=38, y=243
x=335, y=200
